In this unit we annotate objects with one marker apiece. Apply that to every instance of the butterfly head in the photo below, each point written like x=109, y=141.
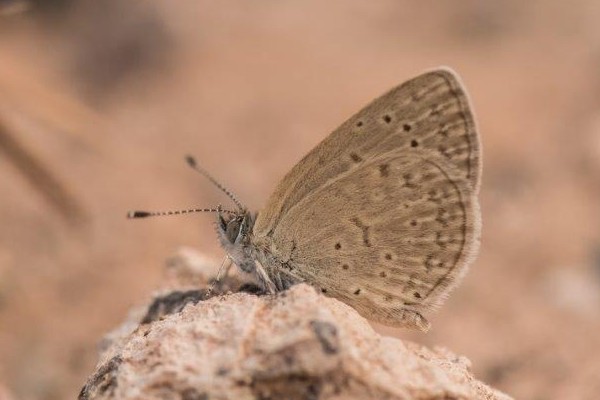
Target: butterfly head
x=234, y=233
x=234, y=228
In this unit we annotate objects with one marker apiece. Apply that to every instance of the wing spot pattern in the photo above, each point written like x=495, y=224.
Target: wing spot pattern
x=355, y=157
x=443, y=217
x=384, y=170
x=436, y=111
x=444, y=151
x=442, y=239
x=365, y=231
x=443, y=130
x=436, y=195
x=409, y=181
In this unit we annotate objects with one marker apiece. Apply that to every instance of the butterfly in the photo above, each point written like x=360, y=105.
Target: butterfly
x=383, y=214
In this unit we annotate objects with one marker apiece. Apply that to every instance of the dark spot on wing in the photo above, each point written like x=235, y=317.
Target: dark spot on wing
x=384, y=170
x=365, y=231
x=355, y=157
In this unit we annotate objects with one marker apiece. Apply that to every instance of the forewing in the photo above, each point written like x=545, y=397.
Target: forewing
x=430, y=113
x=390, y=235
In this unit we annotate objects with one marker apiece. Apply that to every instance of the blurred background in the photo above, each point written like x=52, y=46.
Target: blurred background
x=101, y=99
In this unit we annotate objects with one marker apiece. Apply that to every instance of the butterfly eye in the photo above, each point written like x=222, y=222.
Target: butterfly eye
x=233, y=229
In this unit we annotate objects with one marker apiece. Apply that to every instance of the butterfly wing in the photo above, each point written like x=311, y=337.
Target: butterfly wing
x=391, y=237
x=430, y=113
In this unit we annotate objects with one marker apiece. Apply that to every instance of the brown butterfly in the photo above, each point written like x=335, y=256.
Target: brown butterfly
x=382, y=214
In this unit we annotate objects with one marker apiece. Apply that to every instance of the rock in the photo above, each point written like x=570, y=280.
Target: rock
x=298, y=344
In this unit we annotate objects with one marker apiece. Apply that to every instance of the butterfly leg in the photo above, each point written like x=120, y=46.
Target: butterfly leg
x=264, y=279
x=222, y=273
x=414, y=320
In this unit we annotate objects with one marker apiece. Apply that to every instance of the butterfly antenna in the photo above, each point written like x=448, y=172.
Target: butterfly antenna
x=145, y=214
x=192, y=163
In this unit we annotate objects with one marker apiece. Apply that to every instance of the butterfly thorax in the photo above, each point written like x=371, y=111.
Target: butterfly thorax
x=259, y=258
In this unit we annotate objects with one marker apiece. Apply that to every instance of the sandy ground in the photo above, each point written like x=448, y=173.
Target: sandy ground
x=102, y=100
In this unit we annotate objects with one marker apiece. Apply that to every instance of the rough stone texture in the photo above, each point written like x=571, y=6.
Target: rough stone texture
x=296, y=345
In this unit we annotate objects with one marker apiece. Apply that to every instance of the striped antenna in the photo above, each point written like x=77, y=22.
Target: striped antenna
x=192, y=163
x=145, y=214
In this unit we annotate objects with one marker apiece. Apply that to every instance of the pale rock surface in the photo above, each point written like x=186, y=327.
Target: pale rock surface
x=295, y=345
